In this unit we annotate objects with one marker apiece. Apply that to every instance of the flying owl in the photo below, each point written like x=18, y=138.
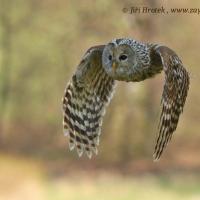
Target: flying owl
x=91, y=88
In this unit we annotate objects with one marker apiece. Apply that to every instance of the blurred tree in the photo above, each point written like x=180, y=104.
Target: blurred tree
x=6, y=60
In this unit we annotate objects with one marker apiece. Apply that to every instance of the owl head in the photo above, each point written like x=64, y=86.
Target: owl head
x=122, y=58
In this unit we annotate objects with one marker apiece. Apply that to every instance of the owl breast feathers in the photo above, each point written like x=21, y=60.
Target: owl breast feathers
x=91, y=88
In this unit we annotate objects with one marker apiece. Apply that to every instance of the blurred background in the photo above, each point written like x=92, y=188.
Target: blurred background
x=41, y=43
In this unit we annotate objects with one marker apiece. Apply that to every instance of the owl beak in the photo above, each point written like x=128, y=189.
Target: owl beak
x=114, y=66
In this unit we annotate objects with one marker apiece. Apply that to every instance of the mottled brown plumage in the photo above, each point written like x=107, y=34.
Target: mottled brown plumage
x=92, y=85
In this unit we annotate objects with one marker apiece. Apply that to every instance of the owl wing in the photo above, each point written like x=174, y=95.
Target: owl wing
x=173, y=98
x=84, y=102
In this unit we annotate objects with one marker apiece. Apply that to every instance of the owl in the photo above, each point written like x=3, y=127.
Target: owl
x=91, y=88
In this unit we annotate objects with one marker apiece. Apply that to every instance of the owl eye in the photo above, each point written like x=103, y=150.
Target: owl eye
x=123, y=57
x=110, y=57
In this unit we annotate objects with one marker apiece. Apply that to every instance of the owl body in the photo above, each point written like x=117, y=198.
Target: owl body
x=91, y=89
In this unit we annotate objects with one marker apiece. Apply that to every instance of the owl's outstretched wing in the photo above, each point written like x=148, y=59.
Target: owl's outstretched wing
x=173, y=98
x=84, y=102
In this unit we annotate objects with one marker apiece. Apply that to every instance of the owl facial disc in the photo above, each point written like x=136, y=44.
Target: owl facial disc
x=119, y=61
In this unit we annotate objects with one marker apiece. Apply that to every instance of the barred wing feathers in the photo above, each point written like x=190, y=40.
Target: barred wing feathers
x=84, y=102
x=173, y=98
